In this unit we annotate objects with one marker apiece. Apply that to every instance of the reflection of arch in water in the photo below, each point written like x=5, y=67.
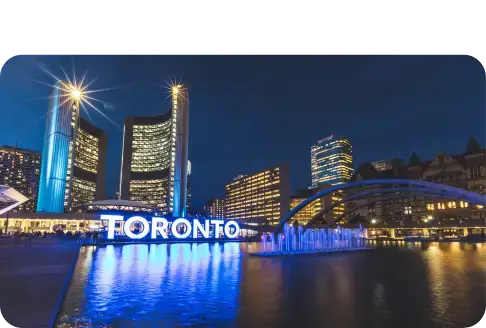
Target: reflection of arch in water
x=425, y=188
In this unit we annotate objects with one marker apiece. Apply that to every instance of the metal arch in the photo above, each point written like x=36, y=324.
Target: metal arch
x=371, y=192
x=379, y=199
x=472, y=197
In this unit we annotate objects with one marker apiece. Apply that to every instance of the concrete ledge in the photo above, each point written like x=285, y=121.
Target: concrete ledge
x=269, y=254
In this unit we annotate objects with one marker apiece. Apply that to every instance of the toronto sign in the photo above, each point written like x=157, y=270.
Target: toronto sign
x=158, y=227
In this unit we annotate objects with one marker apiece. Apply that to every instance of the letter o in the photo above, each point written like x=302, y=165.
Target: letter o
x=227, y=229
x=131, y=235
x=176, y=233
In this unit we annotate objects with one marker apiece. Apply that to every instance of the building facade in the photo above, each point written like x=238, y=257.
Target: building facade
x=466, y=171
x=20, y=169
x=264, y=195
x=155, y=158
x=331, y=161
x=216, y=208
x=315, y=207
x=73, y=159
x=382, y=165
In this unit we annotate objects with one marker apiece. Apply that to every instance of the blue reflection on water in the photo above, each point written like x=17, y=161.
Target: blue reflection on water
x=137, y=285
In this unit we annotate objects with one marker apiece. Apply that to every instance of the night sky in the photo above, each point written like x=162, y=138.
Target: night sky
x=251, y=113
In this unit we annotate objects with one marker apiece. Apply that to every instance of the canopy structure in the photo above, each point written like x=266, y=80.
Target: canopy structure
x=118, y=205
x=10, y=199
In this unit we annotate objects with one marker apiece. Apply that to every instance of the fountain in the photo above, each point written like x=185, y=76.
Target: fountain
x=295, y=240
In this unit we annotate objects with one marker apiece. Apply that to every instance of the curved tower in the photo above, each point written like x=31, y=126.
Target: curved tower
x=154, y=158
x=73, y=158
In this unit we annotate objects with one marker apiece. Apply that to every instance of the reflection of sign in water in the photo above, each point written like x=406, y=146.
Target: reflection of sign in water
x=180, y=228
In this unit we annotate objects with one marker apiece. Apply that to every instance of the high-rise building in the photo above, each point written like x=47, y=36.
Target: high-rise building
x=155, y=159
x=215, y=208
x=74, y=156
x=331, y=161
x=382, y=165
x=262, y=195
x=20, y=169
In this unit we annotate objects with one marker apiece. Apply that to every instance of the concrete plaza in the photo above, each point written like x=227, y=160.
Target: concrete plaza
x=33, y=278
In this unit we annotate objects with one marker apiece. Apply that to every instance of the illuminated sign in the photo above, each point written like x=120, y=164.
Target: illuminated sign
x=180, y=228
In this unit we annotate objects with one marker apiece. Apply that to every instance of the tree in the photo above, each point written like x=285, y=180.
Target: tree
x=473, y=146
x=414, y=160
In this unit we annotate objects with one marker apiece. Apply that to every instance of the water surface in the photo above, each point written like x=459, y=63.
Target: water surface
x=216, y=285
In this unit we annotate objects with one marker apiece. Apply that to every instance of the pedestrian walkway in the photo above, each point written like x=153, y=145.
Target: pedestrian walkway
x=32, y=279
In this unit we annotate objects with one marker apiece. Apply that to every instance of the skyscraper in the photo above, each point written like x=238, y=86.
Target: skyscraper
x=20, y=169
x=74, y=155
x=331, y=161
x=155, y=159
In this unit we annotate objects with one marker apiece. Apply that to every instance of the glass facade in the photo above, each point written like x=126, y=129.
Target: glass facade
x=20, y=169
x=150, y=147
x=150, y=192
x=263, y=195
x=331, y=161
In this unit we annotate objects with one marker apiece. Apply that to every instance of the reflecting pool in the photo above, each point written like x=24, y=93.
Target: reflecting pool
x=217, y=285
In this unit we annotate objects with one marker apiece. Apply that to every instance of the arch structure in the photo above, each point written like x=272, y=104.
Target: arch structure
x=384, y=189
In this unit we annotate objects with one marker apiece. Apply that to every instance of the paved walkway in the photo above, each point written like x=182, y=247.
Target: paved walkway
x=32, y=279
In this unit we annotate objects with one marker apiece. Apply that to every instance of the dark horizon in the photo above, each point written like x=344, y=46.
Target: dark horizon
x=250, y=113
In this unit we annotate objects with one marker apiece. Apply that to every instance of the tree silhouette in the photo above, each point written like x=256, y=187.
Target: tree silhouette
x=414, y=160
x=473, y=146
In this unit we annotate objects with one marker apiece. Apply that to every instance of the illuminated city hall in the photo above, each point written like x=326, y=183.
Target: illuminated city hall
x=74, y=155
x=155, y=157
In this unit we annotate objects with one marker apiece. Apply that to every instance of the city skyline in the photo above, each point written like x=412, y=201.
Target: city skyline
x=263, y=136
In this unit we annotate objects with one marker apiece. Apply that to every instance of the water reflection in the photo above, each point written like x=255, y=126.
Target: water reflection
x=397, y=285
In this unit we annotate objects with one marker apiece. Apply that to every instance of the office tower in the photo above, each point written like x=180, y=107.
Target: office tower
x=20, y=169
x=382, y=165
x=331, y=161
x=264, y=195
x=154, y=160
x=215, y=208
x=74, y=155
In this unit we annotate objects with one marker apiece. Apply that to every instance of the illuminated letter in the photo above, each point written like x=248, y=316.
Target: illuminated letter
x=174, y=228
x=131, y=235
x=155, y=227
x=111, y=224
x=227, y=229
x=216, y=223
x=198, y=226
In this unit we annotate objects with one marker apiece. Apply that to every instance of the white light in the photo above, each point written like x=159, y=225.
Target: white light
x=198, y=226
x=188, y=228
x=130, y=234
x=227, y=230
x=111, y=224
x=155, y=227
x=430, y=217
x=217, y=223
x=373, y=221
